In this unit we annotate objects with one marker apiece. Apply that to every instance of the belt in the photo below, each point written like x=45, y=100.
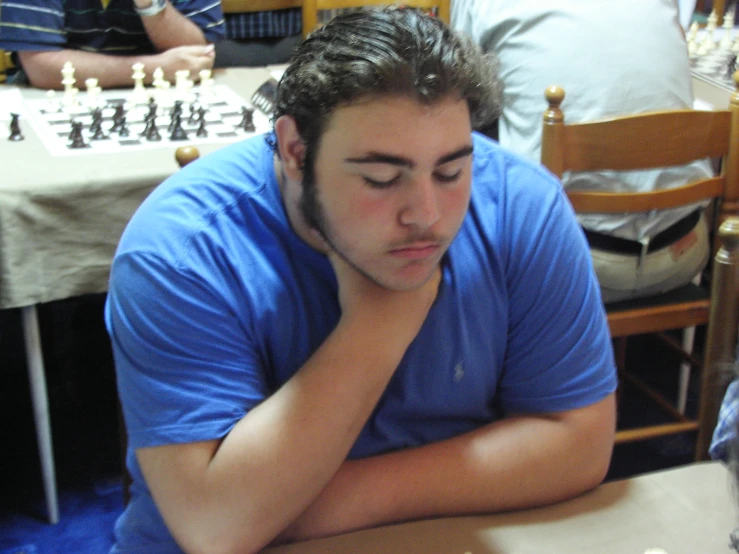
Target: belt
x=663, y=239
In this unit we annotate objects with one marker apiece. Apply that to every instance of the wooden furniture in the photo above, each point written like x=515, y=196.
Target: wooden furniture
x=688, y=510
x=642, y=141
x=6, y=63
x=723, y=329
x=312, y=7
x=242, y=6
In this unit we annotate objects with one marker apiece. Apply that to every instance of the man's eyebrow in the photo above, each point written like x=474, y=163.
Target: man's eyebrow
x=379, y=157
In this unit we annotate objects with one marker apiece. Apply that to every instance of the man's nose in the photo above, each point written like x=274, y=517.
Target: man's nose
x=421, y=206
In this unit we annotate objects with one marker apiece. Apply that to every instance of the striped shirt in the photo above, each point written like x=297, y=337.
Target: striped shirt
x=108, y=26
x=272, y=24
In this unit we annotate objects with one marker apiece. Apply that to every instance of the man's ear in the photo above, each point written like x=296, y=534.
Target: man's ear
x=291, y=147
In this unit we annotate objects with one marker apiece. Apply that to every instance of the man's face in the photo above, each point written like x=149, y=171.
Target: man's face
x=392, y=186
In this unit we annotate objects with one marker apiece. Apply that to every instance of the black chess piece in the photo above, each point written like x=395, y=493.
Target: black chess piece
x=202, y=131
x=15, y=128
x=76, y=138
x=151, y=133
x=247, y=120
x=193, y=114
x=118, y=117
x=178, y=133
x=123, y=127
x=176, y=111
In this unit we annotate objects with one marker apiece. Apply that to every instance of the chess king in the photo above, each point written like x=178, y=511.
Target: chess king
x=102, y=39
x=371, y=314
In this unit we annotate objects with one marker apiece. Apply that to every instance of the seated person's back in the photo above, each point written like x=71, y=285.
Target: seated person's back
x=612, y=57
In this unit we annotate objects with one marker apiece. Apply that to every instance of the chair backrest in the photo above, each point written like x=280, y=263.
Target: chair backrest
x=243, y=6
x=642, y=141
x=441, y=8
x=6, y=63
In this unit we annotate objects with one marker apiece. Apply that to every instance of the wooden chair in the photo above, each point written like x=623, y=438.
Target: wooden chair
x=442, y=8
x=643, y=141
x=242, y=6
x=6, y=63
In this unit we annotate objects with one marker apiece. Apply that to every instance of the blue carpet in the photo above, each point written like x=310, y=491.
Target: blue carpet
x=87, y=517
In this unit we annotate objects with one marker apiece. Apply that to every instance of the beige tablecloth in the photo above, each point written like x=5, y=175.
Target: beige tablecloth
x=61, y=217
x=689, y=510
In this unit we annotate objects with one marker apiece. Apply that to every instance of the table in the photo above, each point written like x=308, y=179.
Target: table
x=60, y=222
x=688, y=510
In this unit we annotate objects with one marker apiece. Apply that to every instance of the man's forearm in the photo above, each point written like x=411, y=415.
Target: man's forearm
x=518, y=462
x=44, y=68
x=169, y=29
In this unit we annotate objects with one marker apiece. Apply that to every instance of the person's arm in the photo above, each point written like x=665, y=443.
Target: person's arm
x=238, y=494
x=516, y=462
x=169, y=28
x=44, y=68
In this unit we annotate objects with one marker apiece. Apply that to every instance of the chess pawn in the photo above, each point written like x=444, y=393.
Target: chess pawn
x=728, y=27
x=93, y=93
x=15, y=128
x=52, y=104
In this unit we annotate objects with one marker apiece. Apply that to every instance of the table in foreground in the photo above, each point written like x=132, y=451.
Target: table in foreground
x=688, y=510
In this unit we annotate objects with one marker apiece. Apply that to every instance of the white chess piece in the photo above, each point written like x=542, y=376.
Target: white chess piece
x=68, y=80
x=728, y=27
x=52, y=104
x=93, y=93
x=139, y=94
x=206, y=85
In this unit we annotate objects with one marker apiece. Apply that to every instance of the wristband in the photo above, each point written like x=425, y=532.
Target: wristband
x=156, y=7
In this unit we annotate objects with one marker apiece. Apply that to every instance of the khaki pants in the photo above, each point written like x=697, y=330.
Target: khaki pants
x=625, y=276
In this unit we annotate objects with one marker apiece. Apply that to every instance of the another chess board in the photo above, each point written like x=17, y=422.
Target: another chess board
x=223, y=114
x=716, y=68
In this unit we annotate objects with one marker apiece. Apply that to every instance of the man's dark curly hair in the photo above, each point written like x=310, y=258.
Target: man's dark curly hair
x=375, y=52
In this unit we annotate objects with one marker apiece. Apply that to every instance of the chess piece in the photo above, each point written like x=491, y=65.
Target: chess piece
x=247, y=120
x=76, y=138
x=123, y=131
x=52, y=105
x=176, y=111
x=68, y=80
x=119, y=118
x=15, y=128
x=202, y=132
x=151, y=131
x=178, y=133
x=138, y=95
x=93, y=92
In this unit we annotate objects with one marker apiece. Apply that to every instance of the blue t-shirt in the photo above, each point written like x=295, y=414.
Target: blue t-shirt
x=214, y=303
x=114, y=28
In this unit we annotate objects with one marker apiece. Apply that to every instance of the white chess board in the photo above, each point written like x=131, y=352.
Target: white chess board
x=52, y=122
x=715, y=67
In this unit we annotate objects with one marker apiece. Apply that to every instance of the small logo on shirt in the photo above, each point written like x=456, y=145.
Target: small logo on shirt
x=458, y=372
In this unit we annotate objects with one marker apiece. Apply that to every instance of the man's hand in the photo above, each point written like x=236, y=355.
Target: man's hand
x=400, y=313
x=192, y=58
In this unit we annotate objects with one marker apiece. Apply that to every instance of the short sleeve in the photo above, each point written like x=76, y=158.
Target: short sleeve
x=186, y=367
x=206, y=14
x=559, y=352
x=32, y=25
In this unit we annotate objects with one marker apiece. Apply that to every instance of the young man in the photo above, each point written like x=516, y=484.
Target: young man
x=103, y=38
x=375, y=316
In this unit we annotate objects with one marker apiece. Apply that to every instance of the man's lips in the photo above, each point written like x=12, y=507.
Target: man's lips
x=418, y=251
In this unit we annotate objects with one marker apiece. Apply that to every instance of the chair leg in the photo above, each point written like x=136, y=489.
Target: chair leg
x=37, y=378
x=684, y=382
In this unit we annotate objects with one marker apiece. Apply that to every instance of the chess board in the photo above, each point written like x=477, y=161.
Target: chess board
x=53, y=122
x=715, y=67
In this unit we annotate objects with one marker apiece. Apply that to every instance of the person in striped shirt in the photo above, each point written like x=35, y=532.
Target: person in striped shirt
x=103, y=38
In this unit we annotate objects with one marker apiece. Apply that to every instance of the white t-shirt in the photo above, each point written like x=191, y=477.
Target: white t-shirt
x=612, y=57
